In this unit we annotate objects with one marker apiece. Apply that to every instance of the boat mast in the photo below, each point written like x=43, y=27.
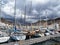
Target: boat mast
x=15, y=14
x=0, y=9
x=46, y=20
x=40, y=19
x=55, y=26
x=31, y=14
x=25, y=15
x=20, y=24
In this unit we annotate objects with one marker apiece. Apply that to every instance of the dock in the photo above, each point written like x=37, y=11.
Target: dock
x=40, y=39
x=34, y=40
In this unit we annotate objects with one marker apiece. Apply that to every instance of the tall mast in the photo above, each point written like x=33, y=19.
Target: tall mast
x=15, y=14
x=31, y=13
x=55, y=25
x=25, y=15
x=20, y=24
x=40, y=19
x=46, y=20
x=0, y=9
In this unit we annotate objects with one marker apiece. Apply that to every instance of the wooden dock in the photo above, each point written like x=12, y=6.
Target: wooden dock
x=40, y=39
x=34, y=40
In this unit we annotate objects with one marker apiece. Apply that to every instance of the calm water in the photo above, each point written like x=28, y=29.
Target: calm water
x=49, y=42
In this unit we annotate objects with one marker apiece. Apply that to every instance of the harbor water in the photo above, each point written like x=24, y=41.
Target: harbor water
x=49, y=42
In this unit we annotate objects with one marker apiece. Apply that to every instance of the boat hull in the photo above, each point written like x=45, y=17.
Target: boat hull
x=21, y=37
x=4, y=39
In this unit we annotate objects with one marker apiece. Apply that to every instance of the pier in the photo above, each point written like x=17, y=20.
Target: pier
x=33, y=40
x=40, y=39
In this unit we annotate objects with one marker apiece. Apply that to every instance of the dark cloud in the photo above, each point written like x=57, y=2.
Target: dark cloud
x=52, y=7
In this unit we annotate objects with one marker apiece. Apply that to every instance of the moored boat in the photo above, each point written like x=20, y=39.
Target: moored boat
x=18, y=37
x=4, y=37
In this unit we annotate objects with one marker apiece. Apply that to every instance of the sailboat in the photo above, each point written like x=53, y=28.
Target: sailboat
x=40, y=33
x=17, y=34
x=3, y=36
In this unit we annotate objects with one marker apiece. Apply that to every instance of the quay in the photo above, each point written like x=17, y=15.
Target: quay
x=40, y=39
x=33, y=40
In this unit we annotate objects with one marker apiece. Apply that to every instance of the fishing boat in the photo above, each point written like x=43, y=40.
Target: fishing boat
x=4, y=37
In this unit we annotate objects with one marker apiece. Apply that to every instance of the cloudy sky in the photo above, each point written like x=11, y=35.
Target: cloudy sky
x=32, y=10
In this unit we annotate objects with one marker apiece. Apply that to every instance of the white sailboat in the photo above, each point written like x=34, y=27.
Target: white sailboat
x=40, y=34
x=3, y=36
x=17, y=35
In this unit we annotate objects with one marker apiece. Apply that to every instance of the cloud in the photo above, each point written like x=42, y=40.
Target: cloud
x=34, y=11
x=39, y=1
x=9, y=9
x=57, y=8
x=50, y=8
x=31, y=20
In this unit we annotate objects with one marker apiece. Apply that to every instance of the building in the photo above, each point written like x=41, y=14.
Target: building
x=49, y=23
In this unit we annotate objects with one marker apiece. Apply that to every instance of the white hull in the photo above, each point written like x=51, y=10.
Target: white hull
x=21, y=37
x=47, y=34
x=4, y=39
x=39, y=35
